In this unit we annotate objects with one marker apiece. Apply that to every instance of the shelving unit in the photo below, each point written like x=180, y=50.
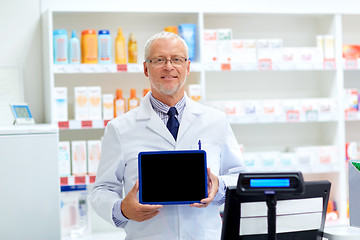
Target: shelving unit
x=297, y=29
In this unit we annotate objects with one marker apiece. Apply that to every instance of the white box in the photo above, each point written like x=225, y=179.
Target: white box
x=224, y=45
x=64, y=159
x=94, y=155
x=78, y=157
x=237, y=51
x=81, y=103
x=61, y=104
x=270, y=50
x=351, y=99
x=195, y=92
x=309, y=110
x=271, y=111
x=210, y=54
x=95, y=106
x=329, y=47
x=108, y=106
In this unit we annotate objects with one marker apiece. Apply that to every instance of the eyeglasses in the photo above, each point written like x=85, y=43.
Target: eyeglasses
x=160, y=62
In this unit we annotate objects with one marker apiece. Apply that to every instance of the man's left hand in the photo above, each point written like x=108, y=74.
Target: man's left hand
x=213, y=186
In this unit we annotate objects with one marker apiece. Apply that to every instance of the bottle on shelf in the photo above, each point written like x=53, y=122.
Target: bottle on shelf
x=74, y=49
x=104, y=46
x=89, y=46
x=173, y=29
x=119, y=103
x=60, y=46
x=132, y=49
x=133, y=101
x=145, y=91
x=120, y=48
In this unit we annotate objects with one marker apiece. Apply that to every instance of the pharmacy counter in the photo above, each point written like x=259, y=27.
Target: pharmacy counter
x=29, y=182
x=342, y=233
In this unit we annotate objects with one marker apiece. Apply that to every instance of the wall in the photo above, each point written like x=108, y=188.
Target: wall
x=20, y=46
x=20, y=24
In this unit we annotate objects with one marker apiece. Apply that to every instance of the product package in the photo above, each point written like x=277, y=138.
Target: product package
x=60, y=42
x=224, y=45
x=95, y=106
x=94, y=154
x=195, y=92
x=81, y=104
x=64, y=159
x=188, y=33
x=78, y=159
x=61, y=104
x=210, y=51
x=108, y=106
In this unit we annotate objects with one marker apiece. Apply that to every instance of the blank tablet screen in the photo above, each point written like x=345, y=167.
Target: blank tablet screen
x=172, y=177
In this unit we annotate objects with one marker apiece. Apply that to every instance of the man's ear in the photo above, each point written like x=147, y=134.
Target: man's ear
x=145, y=69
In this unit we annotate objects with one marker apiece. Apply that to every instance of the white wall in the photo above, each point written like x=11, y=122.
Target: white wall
x=20, y=46
x=21, y=37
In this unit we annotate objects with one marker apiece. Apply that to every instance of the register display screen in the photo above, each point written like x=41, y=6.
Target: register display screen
x=270, y=182
x=172, y=177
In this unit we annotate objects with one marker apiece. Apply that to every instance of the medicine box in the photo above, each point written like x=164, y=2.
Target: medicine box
x=64, y=159
x=78, y=157
x=95, y=106
x=93, y=155
x=81, y=103
x=108, y=106
x=61, y=104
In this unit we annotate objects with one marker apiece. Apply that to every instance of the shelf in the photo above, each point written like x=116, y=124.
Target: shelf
x=263, y=66
x=77, y=180
x=85, y=124
x=106, y=68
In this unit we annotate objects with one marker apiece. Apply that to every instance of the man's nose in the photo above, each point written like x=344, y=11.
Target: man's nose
x=168, y=65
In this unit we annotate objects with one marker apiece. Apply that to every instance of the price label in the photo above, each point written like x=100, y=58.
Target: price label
x=311, y=115
x=225, y=67
x=121, y=67
x=86, y=124
x=329, y=64
x=265, y=64
x=63, y=124
x=351, y=63
x=351, y=114
x=292, y=116
x=80, y=180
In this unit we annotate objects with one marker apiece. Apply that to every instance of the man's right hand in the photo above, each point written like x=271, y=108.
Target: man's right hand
x=133, y=210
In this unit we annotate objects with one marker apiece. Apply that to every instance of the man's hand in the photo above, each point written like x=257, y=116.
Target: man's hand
x=133, y=210
x=213, y=186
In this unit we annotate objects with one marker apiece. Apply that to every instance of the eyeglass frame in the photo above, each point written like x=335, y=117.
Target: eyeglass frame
x=166, y=60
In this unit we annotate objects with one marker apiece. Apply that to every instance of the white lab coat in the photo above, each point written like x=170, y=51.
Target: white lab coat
x=142, y=130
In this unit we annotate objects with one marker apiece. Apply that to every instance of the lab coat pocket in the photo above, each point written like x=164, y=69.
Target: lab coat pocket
x=213, y=153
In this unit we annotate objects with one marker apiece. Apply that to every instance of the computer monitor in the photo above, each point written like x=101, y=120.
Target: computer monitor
x=299, y=216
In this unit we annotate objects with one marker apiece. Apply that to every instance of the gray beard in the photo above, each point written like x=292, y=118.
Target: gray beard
x=169, y=92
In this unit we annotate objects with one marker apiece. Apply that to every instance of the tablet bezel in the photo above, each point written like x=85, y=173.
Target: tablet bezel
x=140, y=171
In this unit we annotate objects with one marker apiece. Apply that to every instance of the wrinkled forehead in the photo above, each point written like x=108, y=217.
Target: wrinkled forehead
x=167, y=47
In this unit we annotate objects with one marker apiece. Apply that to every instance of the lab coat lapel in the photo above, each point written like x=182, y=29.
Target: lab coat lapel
x=154, y=121
x=190, y=114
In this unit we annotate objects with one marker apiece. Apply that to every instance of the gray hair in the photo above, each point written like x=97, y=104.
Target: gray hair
x=164, y=35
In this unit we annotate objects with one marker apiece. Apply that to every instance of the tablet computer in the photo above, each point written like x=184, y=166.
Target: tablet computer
x=172, y=177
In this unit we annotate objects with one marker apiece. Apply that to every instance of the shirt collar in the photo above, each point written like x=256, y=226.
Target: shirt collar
x=162, y=107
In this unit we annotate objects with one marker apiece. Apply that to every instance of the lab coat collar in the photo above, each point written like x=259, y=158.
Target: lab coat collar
x=146, y=112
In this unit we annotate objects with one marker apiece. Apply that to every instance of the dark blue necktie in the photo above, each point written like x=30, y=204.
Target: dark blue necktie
x=173, y=123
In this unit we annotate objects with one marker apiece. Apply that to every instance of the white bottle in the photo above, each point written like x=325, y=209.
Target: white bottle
x=74, y=49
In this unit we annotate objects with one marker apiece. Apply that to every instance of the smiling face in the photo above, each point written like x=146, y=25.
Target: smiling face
x=167, y=82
